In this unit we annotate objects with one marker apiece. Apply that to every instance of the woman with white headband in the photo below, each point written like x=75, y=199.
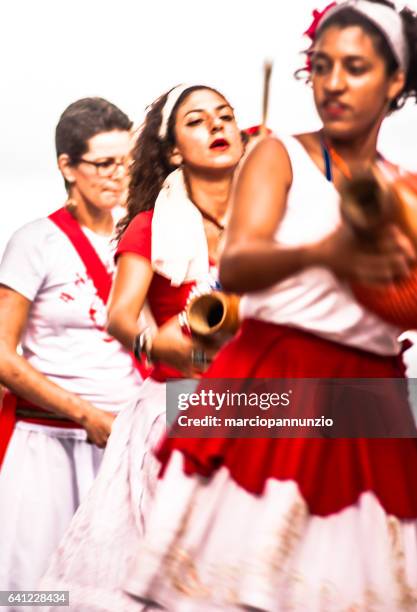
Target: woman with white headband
x=302, y=524
x=183, y=166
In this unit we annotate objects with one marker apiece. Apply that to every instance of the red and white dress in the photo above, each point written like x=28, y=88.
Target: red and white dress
x=103, y=539
x=289, y=524
x=47, y=470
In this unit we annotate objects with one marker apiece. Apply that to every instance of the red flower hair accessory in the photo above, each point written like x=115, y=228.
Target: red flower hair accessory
x=317, y=16
x=312, y=29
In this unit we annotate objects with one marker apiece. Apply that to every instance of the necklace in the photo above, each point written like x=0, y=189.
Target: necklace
x=206, y=215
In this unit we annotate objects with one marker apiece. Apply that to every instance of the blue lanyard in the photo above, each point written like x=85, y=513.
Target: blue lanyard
x=327, y=161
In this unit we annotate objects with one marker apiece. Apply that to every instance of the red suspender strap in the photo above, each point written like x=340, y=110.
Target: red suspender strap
x=95, y=268
x=7, y=422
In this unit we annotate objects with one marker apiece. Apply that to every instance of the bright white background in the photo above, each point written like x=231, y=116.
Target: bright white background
x=130, y=51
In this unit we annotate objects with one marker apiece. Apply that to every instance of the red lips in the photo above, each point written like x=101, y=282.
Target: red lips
x=219, y=144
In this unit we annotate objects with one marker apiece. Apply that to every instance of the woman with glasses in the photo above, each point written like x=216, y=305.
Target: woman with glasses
x=71, y=377
x=301, y=524
x=183, y=166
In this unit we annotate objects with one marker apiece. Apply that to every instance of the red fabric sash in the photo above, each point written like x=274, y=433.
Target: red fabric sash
x=8, y=419
x=7, y=422
x=96, y=270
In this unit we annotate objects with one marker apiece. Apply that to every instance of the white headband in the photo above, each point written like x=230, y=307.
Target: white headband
x=386, y=19
x=172, y=98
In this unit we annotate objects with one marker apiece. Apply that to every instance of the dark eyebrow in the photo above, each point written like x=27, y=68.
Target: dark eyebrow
x=323, y=55
x=201, y=110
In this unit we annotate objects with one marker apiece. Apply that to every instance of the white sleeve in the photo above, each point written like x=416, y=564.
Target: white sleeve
x=22, y=267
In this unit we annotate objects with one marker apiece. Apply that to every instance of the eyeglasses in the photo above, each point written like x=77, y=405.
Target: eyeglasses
x=107, y=167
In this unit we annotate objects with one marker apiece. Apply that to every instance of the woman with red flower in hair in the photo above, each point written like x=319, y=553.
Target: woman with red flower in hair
x=302, y=524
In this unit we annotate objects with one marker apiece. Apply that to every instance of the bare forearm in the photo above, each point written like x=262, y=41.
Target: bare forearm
x=260, y=264
x=20, y=377
x=130, y=288
x=123, y=328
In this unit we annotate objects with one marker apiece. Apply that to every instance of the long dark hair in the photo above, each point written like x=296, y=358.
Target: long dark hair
x=151, y=164
x=349, y=17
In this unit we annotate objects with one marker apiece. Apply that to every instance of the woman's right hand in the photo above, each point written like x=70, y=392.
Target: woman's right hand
x=97, y=424
x=391, y=259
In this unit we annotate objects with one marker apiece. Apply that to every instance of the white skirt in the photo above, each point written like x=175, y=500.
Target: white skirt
x=46, y=472
x=210, y=545
x=103, y=539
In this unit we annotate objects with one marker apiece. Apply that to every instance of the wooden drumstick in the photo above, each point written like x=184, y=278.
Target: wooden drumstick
x=263, y=131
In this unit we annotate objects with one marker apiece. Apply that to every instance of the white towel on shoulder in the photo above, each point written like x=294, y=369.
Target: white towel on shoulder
x=179, y=244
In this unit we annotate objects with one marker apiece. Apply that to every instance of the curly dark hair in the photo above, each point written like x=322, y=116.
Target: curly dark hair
x=349, y=17
x=151, y=164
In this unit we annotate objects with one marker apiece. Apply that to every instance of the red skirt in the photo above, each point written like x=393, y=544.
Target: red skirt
x=330, y=473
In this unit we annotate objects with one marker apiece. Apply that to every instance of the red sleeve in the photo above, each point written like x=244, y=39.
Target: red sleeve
x=137, y=237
